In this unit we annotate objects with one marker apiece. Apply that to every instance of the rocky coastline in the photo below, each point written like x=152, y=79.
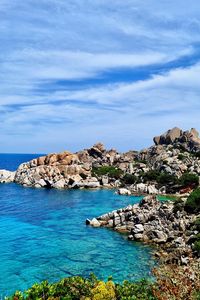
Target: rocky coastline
x=162, y=223
x=155, y=170
x=170, y=166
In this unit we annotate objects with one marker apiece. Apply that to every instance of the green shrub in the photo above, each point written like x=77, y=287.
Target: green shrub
x=196, y=154
x=129, y=178
x=76, y=288
x=188, y=179
x=151, y=175
x=192, y=204
x=166, y=178
x=197, y=222
x=197, y=246
x=181, y=156
x=135, y=290
x=160, y=177
x=107, y=170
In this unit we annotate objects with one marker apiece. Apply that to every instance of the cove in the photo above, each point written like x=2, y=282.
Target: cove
x=43, y=236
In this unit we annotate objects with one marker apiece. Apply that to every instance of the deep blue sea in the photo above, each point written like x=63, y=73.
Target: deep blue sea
x=43, y=235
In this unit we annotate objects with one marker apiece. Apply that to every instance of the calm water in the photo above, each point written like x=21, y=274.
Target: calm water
x=43, y=236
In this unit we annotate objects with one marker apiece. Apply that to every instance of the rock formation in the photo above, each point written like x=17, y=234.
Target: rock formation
x=6, y=176
x=67, y=170
x=153, y=221
x=188, y=140
x=174, y=153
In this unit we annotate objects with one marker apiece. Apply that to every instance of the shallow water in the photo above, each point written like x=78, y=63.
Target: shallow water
x=43, y=236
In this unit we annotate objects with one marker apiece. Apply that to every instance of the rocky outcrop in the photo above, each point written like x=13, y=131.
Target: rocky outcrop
x=72, y=170
x=6, y=176
x=57, y=171
x=153, y=221
x=188, y=140
x=124, y=191
x=174, y=153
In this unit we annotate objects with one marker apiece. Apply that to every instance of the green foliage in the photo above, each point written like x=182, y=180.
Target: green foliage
x=196, y=154
x=178, y=205
x=192, y=204
x=166, y=178
x=129, y=179
x=151, y=175
x=181, y=156
x=107, y=170
x=78, y=288
x=160, y=177
x=188, y=179
x=197, y=246
x=197, y=222
x=135, y=290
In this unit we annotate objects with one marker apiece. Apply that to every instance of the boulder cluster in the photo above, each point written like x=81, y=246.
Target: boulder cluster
x=154, y=222
x=175, y=152
x=188, y=140
x=67, y=170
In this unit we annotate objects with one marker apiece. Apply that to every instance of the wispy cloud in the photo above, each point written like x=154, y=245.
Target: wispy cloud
x=96, y=69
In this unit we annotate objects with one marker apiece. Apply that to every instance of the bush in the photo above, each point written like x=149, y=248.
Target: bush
x=151, y=175
x=76, y=288
x=166, y=178
x=197, y=246
x=160, y=177
x=107, y=170
x=192, y=204
x=135, y=290
x=181, y=156
x=196, y=154
x=197, y=222
x=188, y=179
x=129, y=179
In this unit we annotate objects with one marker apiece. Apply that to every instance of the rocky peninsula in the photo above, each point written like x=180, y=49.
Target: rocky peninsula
x=163, y=223
x=155, y=170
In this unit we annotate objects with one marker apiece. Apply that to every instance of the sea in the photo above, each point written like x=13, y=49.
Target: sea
x=43, y=235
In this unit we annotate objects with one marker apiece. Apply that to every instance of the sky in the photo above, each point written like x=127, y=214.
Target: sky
x=76, y=72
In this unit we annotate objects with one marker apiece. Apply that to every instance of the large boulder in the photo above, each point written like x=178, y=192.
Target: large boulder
x=168, y=137
x=6, y=176
x=189, y=140
x=124, y=191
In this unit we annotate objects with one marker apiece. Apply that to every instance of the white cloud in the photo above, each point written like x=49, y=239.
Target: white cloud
x=47, y=40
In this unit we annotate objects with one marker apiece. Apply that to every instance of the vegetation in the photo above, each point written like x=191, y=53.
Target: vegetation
x=78, y=288
x=196, y=154
x=107, y=170
x=160, y=177
x=181, y=156
x=129, y=179
x=197, y=246
x=192, y=204
x=189, y=179
x=173, y=282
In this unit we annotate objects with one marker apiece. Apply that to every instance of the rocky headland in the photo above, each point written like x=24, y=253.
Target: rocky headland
x=155, y=170
x=173, y=228
x=163, y=223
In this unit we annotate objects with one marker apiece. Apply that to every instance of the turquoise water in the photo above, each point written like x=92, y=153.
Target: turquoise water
x=43, y=236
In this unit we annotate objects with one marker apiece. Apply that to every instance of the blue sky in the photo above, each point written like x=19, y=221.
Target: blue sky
x=75, y=72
